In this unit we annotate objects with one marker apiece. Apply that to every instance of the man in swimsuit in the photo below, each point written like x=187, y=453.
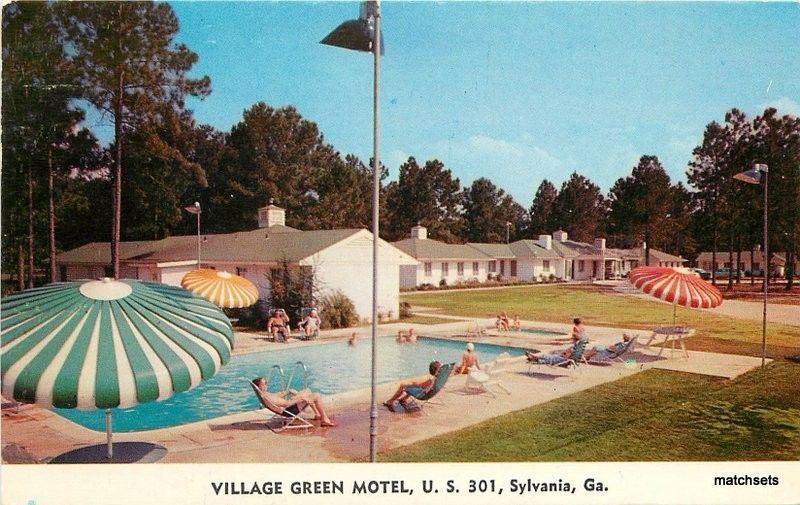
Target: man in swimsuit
x=605, y=352
x=297, y=402
x=417, y=387
x=278, y=324
x=468, y=360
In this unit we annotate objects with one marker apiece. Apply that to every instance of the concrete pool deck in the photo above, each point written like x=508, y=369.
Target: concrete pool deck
x=35, y=435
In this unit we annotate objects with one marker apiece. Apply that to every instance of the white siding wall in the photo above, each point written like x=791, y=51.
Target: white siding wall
x=452, y=276
x=172, y=275
x=347, y=267
x=409, y=275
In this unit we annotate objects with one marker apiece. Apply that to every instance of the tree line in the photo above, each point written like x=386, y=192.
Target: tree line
x=62, y=188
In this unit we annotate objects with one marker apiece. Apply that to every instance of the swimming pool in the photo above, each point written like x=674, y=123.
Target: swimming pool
x=334, y=367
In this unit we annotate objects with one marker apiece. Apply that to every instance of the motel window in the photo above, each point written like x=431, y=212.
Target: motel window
x=474, y=268
x=502, y=267
x=240, y=271
x=445, y=269
x=546, y=265
x=460, y=268
x=492, y=267
x=756, y=266
x=581, y=265
x=428, y=268
x=513, y=268
x=62, y=270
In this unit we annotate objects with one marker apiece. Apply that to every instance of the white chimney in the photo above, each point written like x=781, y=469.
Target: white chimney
x=560, y=235
x=271, y=215
x=600, y=243
x=644, y=246
x=419, y=231
x=546, y=241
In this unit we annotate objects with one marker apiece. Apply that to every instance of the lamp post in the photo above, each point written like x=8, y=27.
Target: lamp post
x=759, y=173
x=196, y=210
x=364, y=34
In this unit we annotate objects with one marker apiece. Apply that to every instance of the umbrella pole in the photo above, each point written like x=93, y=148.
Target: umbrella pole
x=109, y=444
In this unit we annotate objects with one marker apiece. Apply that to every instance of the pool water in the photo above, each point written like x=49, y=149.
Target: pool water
x=333, y=368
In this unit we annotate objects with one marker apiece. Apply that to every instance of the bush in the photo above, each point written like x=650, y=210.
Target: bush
x=443, y=283
x=254, y=316
x=405, y=310
x=552, y=278
x=337, y=311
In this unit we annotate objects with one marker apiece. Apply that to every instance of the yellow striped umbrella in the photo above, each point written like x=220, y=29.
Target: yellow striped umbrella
x=221, y=288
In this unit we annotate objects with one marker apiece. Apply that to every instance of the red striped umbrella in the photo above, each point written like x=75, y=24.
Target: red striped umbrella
x=678, y=286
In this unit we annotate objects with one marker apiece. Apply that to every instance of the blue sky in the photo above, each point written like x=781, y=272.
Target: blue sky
x=513, y=91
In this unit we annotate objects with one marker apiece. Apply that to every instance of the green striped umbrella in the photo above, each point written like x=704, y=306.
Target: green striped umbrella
x=106, y=343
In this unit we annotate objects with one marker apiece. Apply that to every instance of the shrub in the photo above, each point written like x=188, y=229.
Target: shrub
x=443, y=283
x=405, y=310
x=337, y=311
x=254, y=316
x=552, y=278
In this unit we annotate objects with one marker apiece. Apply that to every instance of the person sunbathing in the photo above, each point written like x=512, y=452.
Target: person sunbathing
x=606, y=352
x=278, y=324
x=311, y=323
x=500, y=324
x=468, y=360
x=517, y=324
x=418, y=388
x=297, y=402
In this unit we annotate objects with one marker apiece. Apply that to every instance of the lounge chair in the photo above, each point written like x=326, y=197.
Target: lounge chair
x=557, y=360
x=427, y=396
x=484, y=378
x=304, y=312
x=614, y=356
x=286, y=418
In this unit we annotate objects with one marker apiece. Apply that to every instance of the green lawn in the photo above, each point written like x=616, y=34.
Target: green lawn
x=603, y=307
x=655, y=415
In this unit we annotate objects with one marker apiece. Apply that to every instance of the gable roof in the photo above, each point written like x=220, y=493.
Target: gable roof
x=493, y=250
x=532, y=249
x=273, y=244
x=425, y=248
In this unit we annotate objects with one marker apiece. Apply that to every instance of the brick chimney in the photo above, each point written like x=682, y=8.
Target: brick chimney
x=271, y=215
x=546, y=241
x=419, y=231
x=560, y=236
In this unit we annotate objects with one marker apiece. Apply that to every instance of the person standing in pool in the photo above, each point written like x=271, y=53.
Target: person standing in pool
x=297, y=402
x=468, y=360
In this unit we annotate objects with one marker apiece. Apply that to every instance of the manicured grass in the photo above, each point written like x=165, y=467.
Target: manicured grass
x=424, y=319
x=655, y=415
x=603, y=307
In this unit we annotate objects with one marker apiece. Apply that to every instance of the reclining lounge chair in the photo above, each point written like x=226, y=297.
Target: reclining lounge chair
x=557, y=360
x=284, y=418
x=484, y=378
x=426, y=396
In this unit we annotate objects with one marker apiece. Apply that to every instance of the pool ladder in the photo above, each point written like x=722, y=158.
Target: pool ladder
x=287, y=383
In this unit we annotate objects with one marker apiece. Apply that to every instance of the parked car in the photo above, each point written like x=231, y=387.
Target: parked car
x=704, y=274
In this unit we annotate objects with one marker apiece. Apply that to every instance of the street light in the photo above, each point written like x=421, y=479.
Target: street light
x=195, y=209
x=759, y=173
x=364, y=34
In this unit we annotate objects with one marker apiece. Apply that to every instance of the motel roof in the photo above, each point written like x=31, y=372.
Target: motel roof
x=425, y=248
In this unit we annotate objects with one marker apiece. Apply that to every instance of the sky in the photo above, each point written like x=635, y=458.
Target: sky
x=516, y=92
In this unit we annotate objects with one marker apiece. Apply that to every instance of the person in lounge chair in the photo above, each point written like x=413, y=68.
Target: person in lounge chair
x=417, y=387
x=297, y=402
x=278, y=324
x=501, y=323
x=603, y=352
x=468, y=360
x=311, y=323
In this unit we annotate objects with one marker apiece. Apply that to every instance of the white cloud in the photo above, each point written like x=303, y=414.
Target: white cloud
x=785, y=105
